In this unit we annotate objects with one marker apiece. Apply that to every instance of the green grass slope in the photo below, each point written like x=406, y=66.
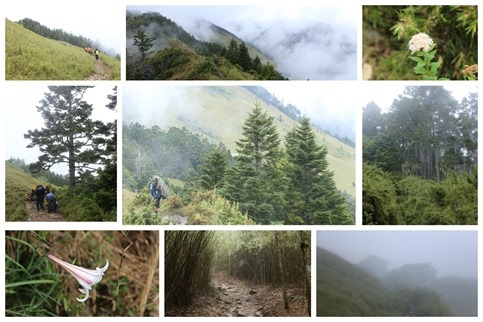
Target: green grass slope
x=219, y=113
x=343, y=289
x=17, y=185
x=29, y=56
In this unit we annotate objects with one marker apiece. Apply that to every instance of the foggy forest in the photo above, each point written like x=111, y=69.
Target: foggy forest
x=420, y=159
x=397, y=273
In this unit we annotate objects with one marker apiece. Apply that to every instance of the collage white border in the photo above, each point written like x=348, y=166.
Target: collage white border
x=118, y=12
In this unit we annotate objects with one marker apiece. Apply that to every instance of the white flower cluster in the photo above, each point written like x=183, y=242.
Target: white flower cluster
x=420, y=41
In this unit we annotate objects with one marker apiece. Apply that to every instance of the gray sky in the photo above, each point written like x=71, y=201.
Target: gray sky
x=21, y=115
x=450, y=252
x=384, y=93
x=320, y=33
x=329, y=104
x=93, y=19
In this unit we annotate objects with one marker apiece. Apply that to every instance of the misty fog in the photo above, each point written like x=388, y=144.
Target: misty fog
x=449, y=252
x=317, y=42
x=322, y=104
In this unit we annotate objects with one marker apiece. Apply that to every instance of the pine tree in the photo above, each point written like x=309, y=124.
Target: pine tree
x=244, y=59
x=213, y=170
x=70, y=135
x=232, y=52
x=256, y=181
x=312, y=196
x=144, y=43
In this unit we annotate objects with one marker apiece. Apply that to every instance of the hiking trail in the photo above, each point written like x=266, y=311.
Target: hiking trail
x=102, y=72
x=234, y=297
x=41, y=215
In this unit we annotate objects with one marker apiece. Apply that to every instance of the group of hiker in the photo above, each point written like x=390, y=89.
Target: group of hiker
x=90, y=51
x=41, y=193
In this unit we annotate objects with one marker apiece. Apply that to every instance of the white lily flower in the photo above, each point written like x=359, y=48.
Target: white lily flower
x=85, y=277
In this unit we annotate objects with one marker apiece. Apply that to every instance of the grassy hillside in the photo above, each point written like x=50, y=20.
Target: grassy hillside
x=17, y=185
x=219, y=112
x=343, y=289
x=29, y=56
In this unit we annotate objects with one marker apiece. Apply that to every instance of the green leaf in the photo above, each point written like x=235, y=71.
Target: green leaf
x=426, y=77
x=417, y=59
x=434, y=67
x=420, y=70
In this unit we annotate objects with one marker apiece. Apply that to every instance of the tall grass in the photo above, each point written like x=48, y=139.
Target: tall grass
x=35, y=286
x=29, y=282
x=113, y=64
x=17, y=185
x=29, y=56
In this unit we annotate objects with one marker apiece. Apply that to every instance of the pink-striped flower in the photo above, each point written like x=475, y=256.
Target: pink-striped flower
x=86, y=277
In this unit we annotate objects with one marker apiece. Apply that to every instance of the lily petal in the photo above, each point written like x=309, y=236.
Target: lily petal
x=85, y=277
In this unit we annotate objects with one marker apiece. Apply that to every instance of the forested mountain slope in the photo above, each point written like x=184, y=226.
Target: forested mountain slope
x=158, y=48
x=202, y=110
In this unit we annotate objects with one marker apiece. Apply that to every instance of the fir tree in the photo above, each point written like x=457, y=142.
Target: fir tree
x=312, y=196
x=256, y=180
x=244, y=59
x=232, y=52
x=213, y=170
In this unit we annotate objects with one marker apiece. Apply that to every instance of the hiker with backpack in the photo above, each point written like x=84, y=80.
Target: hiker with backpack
x=51, y=201
x=97, y=52
x=39, y=196
x=158, y=190
x=154, y=194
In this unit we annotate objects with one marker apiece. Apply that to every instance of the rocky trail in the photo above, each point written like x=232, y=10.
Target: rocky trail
x=233, y=297
x=102, y=72
x=42, y=215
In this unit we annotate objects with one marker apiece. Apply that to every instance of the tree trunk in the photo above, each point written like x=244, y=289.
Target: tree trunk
x=305, y=247
x=280, y=270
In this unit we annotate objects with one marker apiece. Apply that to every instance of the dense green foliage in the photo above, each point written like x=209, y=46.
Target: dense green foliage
x=69, y=135
x=312, y=195
x=166, y=51
x=263, y=185
x=421, y=159
x=292, y=186
x=343, y=289
x=387, y=30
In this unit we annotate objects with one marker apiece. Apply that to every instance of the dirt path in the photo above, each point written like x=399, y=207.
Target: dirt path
x=35, y=215
x=233, y=297
x=102, y=72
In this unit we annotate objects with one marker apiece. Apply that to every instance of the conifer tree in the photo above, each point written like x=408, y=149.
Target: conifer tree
x=69, y=134
x=313, y=196
x=244, y=59
x=232, y=52
x=256, y=180
x=213, y=170
x=144, y=43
